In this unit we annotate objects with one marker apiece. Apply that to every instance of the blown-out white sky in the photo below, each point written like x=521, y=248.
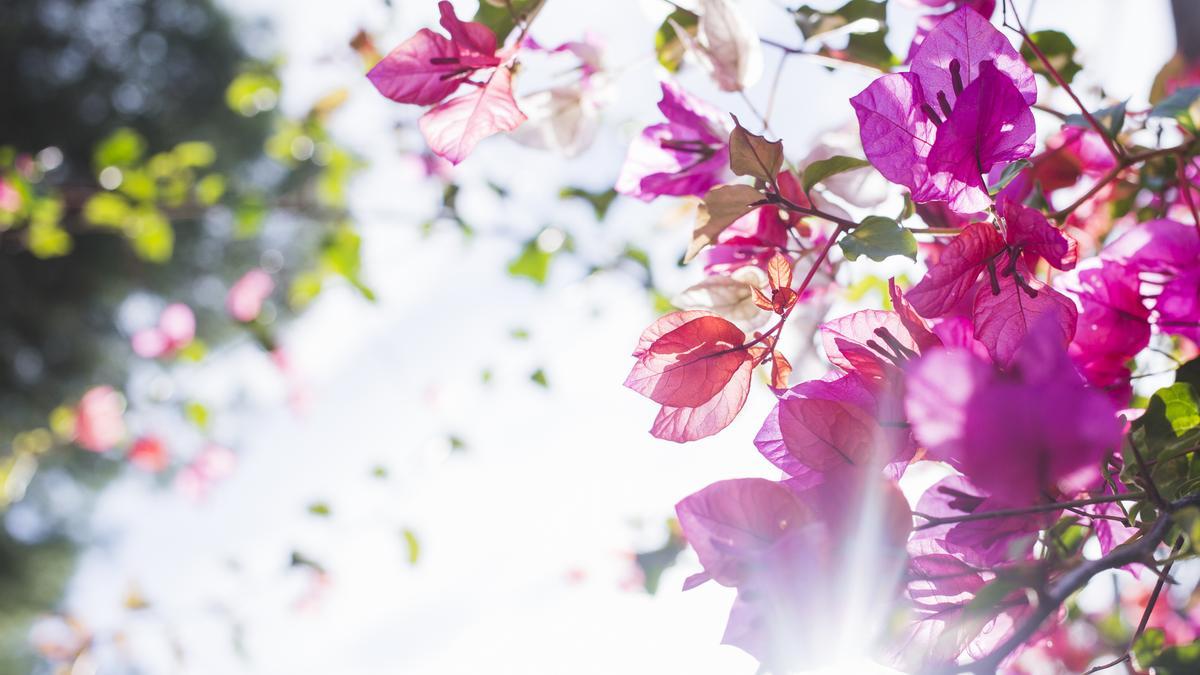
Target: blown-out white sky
x=525, y=536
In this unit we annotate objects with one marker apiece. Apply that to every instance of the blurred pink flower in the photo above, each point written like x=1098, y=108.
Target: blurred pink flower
x=149, y=453
x=10, y=199
x=247, y=295
x=175, y=330
x=213, y=464
x=99, y=425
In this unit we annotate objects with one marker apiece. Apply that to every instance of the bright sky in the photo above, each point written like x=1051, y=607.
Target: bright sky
x=525, y=536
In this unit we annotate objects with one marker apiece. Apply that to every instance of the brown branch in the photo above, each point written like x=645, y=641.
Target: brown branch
x=1066, y=586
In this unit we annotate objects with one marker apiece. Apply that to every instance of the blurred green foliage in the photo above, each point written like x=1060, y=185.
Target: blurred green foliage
x=141, y=152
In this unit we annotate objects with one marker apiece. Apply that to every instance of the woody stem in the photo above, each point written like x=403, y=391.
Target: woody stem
x=1134, y=551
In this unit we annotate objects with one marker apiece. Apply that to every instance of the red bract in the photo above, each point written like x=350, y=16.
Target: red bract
x=149, y=453
x=949, y=280
x=694, y=364
x=1070, y=154
x=682, y=424
x=870, y=342
x=918, y=329
x=1013, y=299
x=1003, y=319
x=734, y=520
x=830, y=425
x=825, y=435
x=1028, y=231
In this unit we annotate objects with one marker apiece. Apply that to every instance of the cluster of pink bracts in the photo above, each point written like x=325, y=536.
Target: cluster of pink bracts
x=1008, y=363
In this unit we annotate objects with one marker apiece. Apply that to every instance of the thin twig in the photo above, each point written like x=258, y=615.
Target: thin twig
x=1122, y=164
x=1054, y=74
x=934, y=521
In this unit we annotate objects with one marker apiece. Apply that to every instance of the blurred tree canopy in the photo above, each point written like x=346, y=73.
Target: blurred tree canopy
x=141, y=153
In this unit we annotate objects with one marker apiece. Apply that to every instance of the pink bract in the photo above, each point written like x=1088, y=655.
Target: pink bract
x=428, y=67
x=99, y=422
x=963, y=108
x=175, y=330
x=686, y=155
x=247, y=295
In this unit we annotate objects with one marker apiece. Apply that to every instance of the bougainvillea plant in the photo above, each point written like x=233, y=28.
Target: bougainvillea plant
x=976, y=452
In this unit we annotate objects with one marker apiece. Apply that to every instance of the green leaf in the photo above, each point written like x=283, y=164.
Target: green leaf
x=599, y=201
x=1178, y=660
x=868, y=49
x=195, y=154
x=503, y=16
x=1066, y=538
x=1189, y=373
x=667, y=45
x=1111, y=119
x=138, y=185
x=1059, y=51
x=320, y=509
x=106, y=209
x=210, y=189
x=753, y=155
x=824, y=168
x=538, y=377
x=1164, y=436
x=248, y=218
x=864, y=21
x=197, y=414
x=46, y=238
x=121, y=148
x=1010, y=172
x=252, y=92
x=151, y=234
x=870, y=16
x=878, y=238
x=722, y=205
x=1147, y=648
x=340, y=255
x=1183, y=106
x=305, y=288
x=532, y=263
x=412, y=546
x=1178, y=406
